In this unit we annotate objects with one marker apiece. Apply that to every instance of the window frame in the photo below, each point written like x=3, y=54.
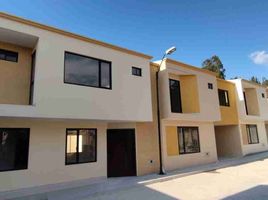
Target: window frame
x=249, y=133
x=28, y=150
x=77, y=135
x=210, y=86
x=10, y=52
x=180, y=99
x=184, y=149
x=226, y=104
x=99, y=71
x=136, y=69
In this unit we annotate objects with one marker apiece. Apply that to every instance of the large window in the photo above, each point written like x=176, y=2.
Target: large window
x=81, y=146
x=175, y=96
x=223, y=97
x=188, y=140
x=14, y=148
x=82, y=70
x=8, y=55
x=252, y=134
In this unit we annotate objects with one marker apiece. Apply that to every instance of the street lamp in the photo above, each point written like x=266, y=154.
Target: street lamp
x=167, y=52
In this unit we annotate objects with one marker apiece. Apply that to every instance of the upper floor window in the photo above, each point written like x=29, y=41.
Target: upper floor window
x=87, y=71
x=14, y=148
x=8, y=55
x=223, y=97
x=252, y=133
x=175, y=96
x=263, y=95
x=136, y=71
x=210, y=86
x=188, y=140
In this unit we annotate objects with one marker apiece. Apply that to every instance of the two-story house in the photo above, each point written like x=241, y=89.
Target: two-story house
x=71, y=108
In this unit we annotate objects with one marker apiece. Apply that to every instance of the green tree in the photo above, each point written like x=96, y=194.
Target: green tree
x=255, y=80
x=214, y=64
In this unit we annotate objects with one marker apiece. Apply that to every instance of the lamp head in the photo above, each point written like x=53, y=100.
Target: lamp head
x=170, y=50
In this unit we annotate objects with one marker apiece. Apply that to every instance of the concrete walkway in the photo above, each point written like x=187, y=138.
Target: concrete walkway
x=174, y=185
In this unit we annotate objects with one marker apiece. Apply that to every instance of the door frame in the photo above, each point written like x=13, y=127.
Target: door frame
x=135, y=146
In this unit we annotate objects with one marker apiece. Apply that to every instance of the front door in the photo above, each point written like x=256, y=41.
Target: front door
x=121, y=153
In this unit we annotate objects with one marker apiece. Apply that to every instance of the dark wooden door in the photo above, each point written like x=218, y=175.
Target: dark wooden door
x=121, y=152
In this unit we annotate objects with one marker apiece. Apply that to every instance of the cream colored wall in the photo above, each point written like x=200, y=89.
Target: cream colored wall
x=129, y=99
x=252, y=101
x=207, y=146
x=208, y=99
x=15, y=76
x=46, y=163
x=228, y=141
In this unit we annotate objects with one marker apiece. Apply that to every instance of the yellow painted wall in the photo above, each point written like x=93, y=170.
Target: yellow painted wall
x=189, y=94
x=229, y=114
x=244, y=134
x=172, y=141
x=15, y=76
x=252, y=101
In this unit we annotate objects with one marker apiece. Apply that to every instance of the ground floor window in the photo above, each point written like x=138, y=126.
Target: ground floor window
x=252, y=133
x=14, y=148
x=188, y=140
x=81, y=146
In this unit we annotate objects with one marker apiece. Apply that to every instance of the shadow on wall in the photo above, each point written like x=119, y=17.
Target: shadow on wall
x=259, y=192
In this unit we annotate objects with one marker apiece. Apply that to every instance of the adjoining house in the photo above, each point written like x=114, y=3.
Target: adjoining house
x=71, y=108
x=189, y=107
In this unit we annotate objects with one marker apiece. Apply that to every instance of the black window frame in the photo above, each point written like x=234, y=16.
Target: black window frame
x=9, y=53
x=210, y=86
x=136, y=71
x=184, y=148
x=77, y=153
x=173, y=109
x=99, y=71
x=28, y=150
x=249, y=133
x=226, y=103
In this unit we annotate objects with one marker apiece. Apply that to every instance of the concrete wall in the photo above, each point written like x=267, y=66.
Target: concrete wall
x=228, y=141
x=252, y=101
x=129, y=99
x=208, y=152
x=15, y=76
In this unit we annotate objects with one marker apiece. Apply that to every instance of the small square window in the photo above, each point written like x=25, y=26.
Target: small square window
x=210, y=86
x=136, y=71
x=8, y=55
x=263, y=95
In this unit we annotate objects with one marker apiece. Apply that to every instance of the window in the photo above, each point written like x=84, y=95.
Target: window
x=86, y=71
x=8, y=55
x=32, y=79
x=81, y=146
x=175, y=96
x=252, y=134
x=188, y=140
x=136, y=71
x=210, y=86
x=263, y=95
x=14, y=148
x=223, y=97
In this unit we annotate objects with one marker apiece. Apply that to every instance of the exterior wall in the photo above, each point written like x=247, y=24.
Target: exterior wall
x=54, y=99
x=252, y=101
x=253, y=148
x=208, y=152
x=208, y=99
x=229, y=114
x=15, y=76
x=46, y=163
x=228, y=141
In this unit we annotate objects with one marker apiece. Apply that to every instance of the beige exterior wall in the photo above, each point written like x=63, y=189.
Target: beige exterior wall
x=208, y=152
x=15, y=76
x=252, y=101
x=228, y=141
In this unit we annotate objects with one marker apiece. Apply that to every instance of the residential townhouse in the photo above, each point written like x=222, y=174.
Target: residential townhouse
x=71, y=108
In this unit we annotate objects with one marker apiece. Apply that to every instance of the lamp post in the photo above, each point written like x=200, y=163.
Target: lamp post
x=167, y=52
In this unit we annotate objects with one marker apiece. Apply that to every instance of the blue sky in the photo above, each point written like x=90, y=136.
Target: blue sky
x=235, y=30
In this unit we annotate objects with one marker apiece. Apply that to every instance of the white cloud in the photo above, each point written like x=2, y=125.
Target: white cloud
x=259, y=57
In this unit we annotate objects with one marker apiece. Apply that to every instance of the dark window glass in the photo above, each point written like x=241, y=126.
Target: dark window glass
x=188, y=140
x=223, y=97
x=32, y=79
x=8, y=55
x=82, y=70
x=81, y=146
x=136, y=71
x=175, y=96
x=252, y=134
x=14, y=148
x=263, y=95
x=245, y=101
x=210, y=86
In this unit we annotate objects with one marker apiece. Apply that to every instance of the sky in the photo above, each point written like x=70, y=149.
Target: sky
x=235, y=30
